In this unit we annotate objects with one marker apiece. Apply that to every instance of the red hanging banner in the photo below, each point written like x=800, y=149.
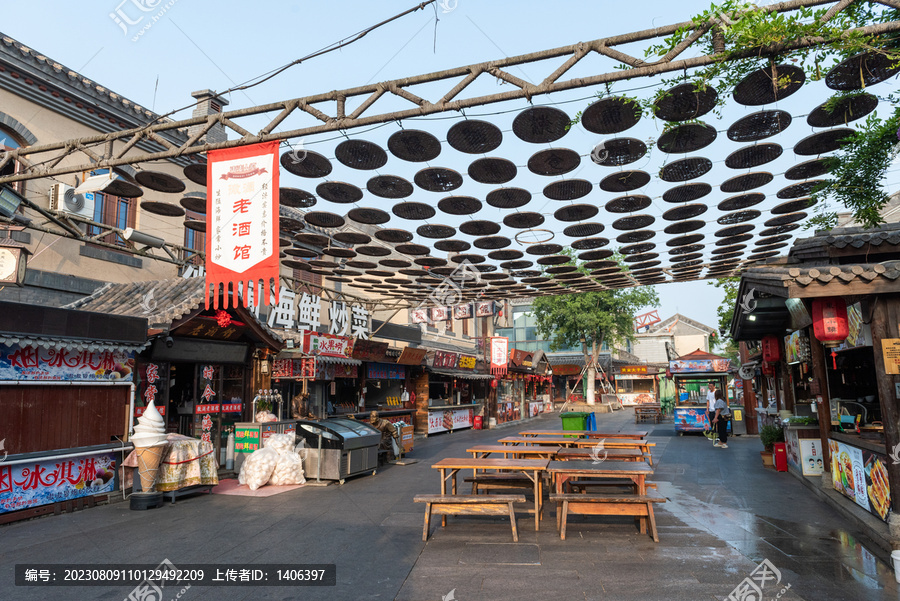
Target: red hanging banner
x=242, y=223
x=499, y=355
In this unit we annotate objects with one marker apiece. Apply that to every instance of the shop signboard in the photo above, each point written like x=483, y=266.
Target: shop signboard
x=62, y=364
x=499, y=355
x=679, y=366
x=466, y=311
x=46, y=481
x=232, y=407
x=150, y=383
x=346, y=371
x=534, y=408
x=441, y=314
x=139, y=411
x=327, y=345
x=890, y=349
x=445, y=360
x=367, y=350
x=246, y=439
x=411, y=356
x=419, y=315
x=385, y=371
x=567, y=369
x=484, y=309
x=633, y=369
x=520, y=358
x=207, y=408
x=467, y=362
x=449, y=420
x=282, y=368
x=861, y=476
x=242, y=211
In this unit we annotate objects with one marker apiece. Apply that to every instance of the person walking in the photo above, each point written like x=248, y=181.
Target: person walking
x=720, y=420
x=711, y=409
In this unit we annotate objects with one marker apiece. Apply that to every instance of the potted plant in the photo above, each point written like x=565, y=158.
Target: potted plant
x=769, y=435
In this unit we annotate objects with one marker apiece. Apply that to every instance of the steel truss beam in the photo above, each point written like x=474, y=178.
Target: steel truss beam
x=109, y=150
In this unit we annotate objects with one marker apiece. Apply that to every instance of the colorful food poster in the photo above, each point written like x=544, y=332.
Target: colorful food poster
x=862, y=476
x=449, y=419
x=64, y=364
x=47, y=481
x=811, y=457
x=691, y=420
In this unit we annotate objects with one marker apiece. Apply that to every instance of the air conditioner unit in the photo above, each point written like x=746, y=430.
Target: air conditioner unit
x=63, y=199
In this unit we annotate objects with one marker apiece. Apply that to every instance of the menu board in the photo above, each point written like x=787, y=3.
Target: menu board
x=861, y=475
x=246, y=440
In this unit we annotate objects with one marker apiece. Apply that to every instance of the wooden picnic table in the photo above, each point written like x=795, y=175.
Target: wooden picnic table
x=560, y=441
x=532, y=452
x=594, y=455
x=584, y=434
x=643, y=445
x=563, y=471
x=647, y=411
x=531, y=468
x=637, y=504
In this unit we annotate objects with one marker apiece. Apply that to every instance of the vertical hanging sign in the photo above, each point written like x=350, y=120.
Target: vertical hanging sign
x=242, y=222
x=499, y=353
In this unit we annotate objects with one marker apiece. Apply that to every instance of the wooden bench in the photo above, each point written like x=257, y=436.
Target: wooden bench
x=499, y=481
x=641, y=507
x=642, y=413
x=469, y=505
x=583, y=485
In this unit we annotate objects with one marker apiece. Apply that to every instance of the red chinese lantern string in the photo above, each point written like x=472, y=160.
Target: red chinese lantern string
x=830, y=323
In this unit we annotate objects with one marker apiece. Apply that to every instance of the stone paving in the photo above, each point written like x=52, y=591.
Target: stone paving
x=725, y=514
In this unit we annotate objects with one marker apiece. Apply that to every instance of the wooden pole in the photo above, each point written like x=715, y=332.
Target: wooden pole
x=749, y=394
x=818, y=359
x=885, y=320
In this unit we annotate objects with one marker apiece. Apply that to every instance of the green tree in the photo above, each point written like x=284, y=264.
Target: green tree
x=725, y=311
x=591, y=318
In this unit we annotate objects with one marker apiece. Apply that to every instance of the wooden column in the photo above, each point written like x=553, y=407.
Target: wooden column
x=885, y=320
x=749, y=395
x=818, y=357
x=787, y=390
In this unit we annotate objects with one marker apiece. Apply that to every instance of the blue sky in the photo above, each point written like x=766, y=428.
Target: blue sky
x=194, y=45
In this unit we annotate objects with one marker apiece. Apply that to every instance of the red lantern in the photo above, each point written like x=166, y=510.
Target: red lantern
x=830, y=323
x=771, y=349
x=494, y=383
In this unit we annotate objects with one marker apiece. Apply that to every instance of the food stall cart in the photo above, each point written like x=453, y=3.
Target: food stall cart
x=338, y=448
x=635, y=386
x=692, y=374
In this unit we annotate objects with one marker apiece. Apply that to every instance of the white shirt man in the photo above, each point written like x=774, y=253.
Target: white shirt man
x=711, y=408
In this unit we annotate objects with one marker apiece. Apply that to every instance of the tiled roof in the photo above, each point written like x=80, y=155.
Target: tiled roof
x=824, y=274
x=818, y=246
x=51, y=342
x=159, y=301
x=71, y=78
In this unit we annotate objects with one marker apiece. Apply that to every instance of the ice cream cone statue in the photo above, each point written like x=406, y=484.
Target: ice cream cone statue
x=149, y=439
